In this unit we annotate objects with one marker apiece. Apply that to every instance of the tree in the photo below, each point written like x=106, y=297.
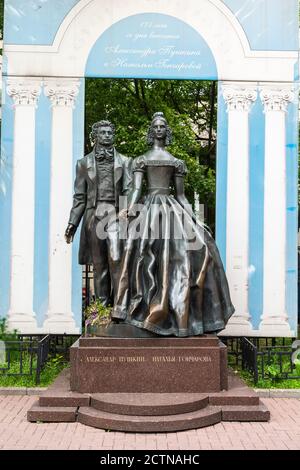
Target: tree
x=189, y=106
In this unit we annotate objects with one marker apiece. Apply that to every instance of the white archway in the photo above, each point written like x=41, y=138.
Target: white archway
x=211, y=18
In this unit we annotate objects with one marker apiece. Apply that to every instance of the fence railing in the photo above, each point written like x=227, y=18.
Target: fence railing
x=249, y=357
x=25, y=357
x=42, y=355
x=264, y=358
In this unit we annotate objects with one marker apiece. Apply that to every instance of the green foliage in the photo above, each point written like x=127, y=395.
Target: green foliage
x=7, y=379
x=273, y=371
x=273, y=374
x=96, y=314
x=10, y=338
x=268, y=383
x=53, y=367
x=297, y=369
x=189, y=106
x=6, y=335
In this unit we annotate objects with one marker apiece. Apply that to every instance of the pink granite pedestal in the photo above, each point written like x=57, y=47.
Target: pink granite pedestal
x=148, y=385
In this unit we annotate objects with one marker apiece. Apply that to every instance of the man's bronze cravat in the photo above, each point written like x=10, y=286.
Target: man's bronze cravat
x=105, y=154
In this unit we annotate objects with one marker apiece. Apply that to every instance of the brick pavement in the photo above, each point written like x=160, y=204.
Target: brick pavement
x=282, y=432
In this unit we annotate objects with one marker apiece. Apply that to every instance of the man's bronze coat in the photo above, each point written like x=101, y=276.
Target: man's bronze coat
x=85, y=195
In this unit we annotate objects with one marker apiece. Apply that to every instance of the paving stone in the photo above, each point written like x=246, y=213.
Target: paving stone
x=277, y=433
x=13, y=391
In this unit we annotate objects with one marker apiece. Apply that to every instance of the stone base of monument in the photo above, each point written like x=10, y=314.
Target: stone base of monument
x=148, y=365
x=148, y=385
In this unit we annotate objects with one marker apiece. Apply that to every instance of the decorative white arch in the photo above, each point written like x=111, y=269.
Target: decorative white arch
x=216, y=23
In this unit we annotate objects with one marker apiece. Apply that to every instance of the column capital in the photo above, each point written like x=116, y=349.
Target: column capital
x=239, y=97
x=276, y=99
x=62, y=92
x=24, y=92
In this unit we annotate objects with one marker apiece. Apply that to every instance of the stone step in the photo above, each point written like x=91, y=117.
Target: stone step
x=120, y=422
x=49, y=414
x=61, y=399
x=149, y=404
x=245, y=413
x=227, y=399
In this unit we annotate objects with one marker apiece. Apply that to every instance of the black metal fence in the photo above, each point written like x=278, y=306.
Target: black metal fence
x=27, y=355
x=249, y=357
x=60, y=344
x=264, y=358
x=88, y=285
x=43, y=348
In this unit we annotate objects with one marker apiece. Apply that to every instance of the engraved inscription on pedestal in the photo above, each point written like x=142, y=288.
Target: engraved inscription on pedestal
x=148, y=366
x=133, y=359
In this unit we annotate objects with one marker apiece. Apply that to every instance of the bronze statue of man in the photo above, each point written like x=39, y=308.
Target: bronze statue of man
x=102, y=177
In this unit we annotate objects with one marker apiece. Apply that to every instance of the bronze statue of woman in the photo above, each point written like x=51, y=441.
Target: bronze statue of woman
x=172, y=281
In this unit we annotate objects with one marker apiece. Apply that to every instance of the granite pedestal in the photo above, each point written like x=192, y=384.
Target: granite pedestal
x=148, y=384
x=148, y=365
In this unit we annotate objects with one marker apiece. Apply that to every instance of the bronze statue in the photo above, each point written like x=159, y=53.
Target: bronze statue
x=172, y=280
x=101, y=177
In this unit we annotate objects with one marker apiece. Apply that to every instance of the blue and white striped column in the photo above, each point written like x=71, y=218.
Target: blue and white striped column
x=25, y=93
x=239, y=98
x=62, y=94
x=274, y=318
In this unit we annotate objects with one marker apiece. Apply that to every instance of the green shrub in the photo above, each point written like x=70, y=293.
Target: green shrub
x=6, y=335
x=50, y=371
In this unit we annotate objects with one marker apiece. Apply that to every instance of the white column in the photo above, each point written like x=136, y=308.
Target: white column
x=239, y=99
x=274, y=318
x=24, y=93
x=62, y=94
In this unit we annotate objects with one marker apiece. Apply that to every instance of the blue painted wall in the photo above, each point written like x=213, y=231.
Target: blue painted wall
x=221, y=172
x=34, y=21
x=292, y=214
x=256, y=211
x=270, y=25
x=42, y=207
x=78, y=152
x=276, y=21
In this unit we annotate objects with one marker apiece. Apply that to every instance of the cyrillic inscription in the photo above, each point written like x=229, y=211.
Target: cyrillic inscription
x=158, y=359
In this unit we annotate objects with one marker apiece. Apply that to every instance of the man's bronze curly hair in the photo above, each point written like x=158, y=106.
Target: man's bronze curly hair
x=150, y=134
x=96, y=125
